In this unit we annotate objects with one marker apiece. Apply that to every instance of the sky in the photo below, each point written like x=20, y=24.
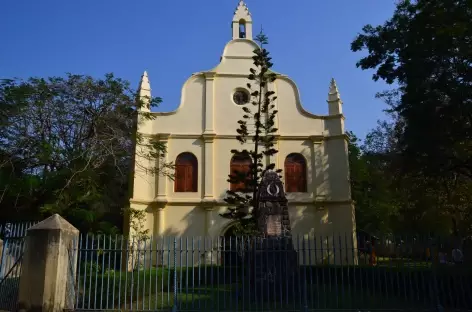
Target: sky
x=309, y=40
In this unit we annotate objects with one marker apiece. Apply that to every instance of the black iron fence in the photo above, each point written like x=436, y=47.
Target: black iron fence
x=306, y=273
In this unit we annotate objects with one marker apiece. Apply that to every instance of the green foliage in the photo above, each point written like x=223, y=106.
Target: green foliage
x=67, y=147
x=243, y=227
x=258, y=128
x=137, y=219
x=390, y=200
x=370, y=189
x=425, y=49
x=262, y=38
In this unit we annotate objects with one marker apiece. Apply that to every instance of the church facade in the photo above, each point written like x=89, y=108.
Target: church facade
x=201, y=132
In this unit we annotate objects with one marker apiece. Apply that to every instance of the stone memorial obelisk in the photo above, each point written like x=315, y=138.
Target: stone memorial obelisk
x=274, y=262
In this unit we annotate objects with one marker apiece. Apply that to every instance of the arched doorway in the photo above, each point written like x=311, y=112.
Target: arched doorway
x=231, y=244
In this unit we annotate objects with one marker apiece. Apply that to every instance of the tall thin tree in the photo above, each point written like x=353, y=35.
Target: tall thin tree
x=258, y=127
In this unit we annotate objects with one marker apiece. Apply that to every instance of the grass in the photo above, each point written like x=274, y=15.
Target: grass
x=328, y=287
x=226, y=299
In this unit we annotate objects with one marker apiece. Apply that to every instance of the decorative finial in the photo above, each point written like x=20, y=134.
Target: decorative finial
x=144, y=84
x=333, y=94
x=145, y=92
x=333, y=88
x=334, y=99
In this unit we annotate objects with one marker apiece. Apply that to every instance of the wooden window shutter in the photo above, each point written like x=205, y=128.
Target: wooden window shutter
x=179, y=178
x=186, y=173
x=295, y=173
x=241, y=164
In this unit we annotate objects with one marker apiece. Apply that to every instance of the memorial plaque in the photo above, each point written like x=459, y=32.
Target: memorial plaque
x=274, y=225
x=272, y=260
x=272, y=215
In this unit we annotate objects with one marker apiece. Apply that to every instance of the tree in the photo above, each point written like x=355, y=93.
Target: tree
x=390, y=200
x=257, y=125
x=67, y=147
x=425, y=48
x=371, y=186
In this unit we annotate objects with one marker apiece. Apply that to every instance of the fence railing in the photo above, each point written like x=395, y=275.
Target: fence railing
x=15, y=229
x=9, y=286
x=12, y=247
x=247, y=274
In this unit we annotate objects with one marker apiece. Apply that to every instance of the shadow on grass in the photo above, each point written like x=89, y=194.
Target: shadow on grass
x=231, y=298
x=154, y=290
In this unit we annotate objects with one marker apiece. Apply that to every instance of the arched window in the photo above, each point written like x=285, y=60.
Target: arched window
x=186, y=173
x=242, y=28
x=295, y=173
x=241, y=164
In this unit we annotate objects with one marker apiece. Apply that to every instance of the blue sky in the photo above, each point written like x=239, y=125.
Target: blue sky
x=309, y=41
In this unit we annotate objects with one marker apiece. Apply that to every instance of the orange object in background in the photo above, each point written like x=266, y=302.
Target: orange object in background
x=373, y=257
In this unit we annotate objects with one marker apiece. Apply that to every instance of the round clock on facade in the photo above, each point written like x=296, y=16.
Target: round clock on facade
x=241, y=97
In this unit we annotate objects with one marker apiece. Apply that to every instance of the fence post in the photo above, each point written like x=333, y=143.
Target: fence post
x=46, y=271
x=1, y=259
x=174, y=307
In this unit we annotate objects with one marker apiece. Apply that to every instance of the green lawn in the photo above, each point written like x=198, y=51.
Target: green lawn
x=208, y=299
x=208, y=290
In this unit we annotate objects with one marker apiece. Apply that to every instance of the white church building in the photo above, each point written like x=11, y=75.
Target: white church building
x=201, y=132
